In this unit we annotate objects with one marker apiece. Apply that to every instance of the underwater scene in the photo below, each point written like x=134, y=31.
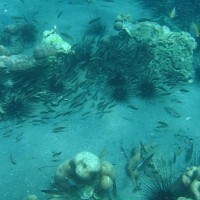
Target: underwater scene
x=100, y=99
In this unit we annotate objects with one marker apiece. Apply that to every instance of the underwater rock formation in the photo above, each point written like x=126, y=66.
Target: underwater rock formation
x=85, y=176
x=173, y=51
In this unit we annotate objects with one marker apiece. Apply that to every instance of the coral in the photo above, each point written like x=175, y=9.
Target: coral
x=53, y=39
x=44, y=51
x=108, y=169
x=120, y=19
x=17, y=62
x=191, y=181
x=172, y=51
x=86, y=165
x=85, y=176
x=106, y=182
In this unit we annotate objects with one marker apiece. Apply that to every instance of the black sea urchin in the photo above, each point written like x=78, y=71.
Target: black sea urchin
x=148, y=86
x=162, y=188
x=28, y=33
x=119, y=94
x=96, y=27
x=15, y=105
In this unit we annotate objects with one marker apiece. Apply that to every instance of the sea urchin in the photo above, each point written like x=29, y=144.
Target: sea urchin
x=162, y=188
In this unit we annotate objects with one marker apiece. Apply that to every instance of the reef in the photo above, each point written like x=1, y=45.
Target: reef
x=172, y=51
x=85, y=176
x=143, y=59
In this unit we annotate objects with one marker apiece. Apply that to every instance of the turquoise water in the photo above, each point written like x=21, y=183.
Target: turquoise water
x=88, y=84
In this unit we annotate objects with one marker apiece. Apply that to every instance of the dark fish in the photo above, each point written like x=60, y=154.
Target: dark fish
x=58, y=129
x=79, y=96
x=67, y=113
x=7, y=133
x=45, y=118
x=77, y=104
x=143, y=162
x=115, y=195
x=52, y=191
x=94, y=20
x=55, y=160
x=48, y=166
x=58, y=115
x=12, y=159
x=67, y=36
x=174, y=158
x=22, y=1
x=59, y=14
x=111, y=106
x=143, y=19
x=189, y=153
x=19, y=137
x=184, y=90
x=103, y=152
x=86, y=113
x=102, y=106
x=143, y=148
x=172, y=112
x=109, y=0
x=44, y=112
x=177, y=100
x=17, y=17
x=33, y=116
x=123, y=151
x=56, y=154
x=132, y=107
x=162, y=125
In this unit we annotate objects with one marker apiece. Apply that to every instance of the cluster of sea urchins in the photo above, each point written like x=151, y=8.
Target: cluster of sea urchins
x=129, y=72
